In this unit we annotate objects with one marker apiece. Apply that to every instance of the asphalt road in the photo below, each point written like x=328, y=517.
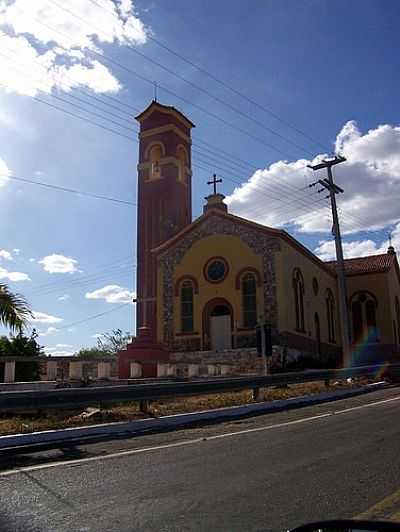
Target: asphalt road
x=269, y=473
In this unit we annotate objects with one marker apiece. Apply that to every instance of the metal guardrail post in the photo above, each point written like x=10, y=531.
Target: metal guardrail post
x=256, y=394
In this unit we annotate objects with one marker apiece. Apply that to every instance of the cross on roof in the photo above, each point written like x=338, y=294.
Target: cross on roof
x=214, y=182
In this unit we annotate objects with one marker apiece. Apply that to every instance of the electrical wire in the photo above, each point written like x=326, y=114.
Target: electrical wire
x=69, y=190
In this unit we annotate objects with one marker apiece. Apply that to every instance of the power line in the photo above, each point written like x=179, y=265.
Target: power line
x=96, y=114
x=95, y=316
x=70, y=190
x=235, y=91
x=224, y=84
x=303, y=201
x=67, y=283
x=103, y=57
x=124, y=273
x=150, y=81
x=304, y=206
x=182, y=78
x=120, y=271
x=130, y=129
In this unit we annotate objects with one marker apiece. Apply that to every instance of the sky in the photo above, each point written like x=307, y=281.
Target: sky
x=271, y=86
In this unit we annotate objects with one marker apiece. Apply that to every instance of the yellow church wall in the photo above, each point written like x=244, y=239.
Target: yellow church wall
x=287, y=260
x=378, y=284
x=238, y=256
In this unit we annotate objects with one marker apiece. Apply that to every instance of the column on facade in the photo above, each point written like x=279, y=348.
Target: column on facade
x=135, y=370
x=9, y=371
x=75, y=370
x=103, y=370
x=51, y=370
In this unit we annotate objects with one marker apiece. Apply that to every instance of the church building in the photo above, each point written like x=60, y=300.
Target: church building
x=203, y=285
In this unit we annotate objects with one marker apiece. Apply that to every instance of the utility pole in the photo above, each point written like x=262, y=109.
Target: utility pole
x=333, y=189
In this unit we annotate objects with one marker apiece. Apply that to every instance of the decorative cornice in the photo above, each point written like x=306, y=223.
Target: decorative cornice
x=164, y=160
x=163, y=129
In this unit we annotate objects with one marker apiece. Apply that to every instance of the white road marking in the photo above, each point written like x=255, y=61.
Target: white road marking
x=129, y=452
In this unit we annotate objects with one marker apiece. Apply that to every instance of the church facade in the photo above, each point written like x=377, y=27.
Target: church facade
x=204, y=285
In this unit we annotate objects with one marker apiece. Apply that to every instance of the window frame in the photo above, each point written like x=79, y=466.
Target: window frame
x=187, y=316
x=246, y=311
x=298, y=290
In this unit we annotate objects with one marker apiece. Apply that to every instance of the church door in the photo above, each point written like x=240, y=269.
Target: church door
x=220, y=328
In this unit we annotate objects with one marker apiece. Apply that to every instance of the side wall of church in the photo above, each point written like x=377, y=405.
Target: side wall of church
x=394, y=292
x=383, y=287
x=288, y=260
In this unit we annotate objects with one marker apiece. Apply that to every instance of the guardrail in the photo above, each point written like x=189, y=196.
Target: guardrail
x=19, y=401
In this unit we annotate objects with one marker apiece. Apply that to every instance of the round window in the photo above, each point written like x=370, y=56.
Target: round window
x=216, y=270
x=315, y=286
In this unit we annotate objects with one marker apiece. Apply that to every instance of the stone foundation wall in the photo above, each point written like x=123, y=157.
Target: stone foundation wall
x=242, y=361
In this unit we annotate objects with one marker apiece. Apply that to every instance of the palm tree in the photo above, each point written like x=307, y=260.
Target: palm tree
x=14, y=309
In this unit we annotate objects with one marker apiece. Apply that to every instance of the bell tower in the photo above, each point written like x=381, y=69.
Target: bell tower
x=164, y=198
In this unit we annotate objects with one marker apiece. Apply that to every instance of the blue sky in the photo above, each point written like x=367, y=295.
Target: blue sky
x=329, y=69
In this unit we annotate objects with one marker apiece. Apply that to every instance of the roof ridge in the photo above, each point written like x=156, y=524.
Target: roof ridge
x=360, y=258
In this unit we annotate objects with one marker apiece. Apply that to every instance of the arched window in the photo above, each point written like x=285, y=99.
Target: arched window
x=249, y=300
x=298, y=290
x=363, y=310
x=356, y=311
x=187, y=306
x=330, y=315
x=183, y=162
x=155, y=156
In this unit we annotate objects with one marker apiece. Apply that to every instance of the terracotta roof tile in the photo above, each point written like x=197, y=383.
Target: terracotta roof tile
x=371, y=264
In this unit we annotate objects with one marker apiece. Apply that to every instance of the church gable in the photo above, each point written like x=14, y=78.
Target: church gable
x=216, y=241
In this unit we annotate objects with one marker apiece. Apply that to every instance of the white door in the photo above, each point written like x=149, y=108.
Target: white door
x=220, y=331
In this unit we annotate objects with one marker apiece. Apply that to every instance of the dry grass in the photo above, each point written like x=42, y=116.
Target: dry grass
x=130, y=411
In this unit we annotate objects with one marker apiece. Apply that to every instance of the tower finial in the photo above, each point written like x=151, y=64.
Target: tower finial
x=390, y=250
x=214, y=182
x=155, y=91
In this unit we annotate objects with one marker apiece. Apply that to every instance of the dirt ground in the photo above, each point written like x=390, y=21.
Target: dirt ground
x=12, y=424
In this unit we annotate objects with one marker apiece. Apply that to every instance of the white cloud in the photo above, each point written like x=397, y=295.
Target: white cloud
x=4, y=254
x=53, y=43
x=58, y=264
x=370, y=178
x=97, y=335
x=48, y=331
x=13, y=276
x=64, y=297
x=32, y=259
x=4, y=171
x=56, y=352
x=63, y=345
x=16, y=251
x=41, y=317
x=112, y=293
x=357, y=248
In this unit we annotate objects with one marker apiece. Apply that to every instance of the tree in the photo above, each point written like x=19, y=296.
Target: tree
x=108, y=344
x=114, y=341
x=22, y=345
x=14, y=309
x=91, y=352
